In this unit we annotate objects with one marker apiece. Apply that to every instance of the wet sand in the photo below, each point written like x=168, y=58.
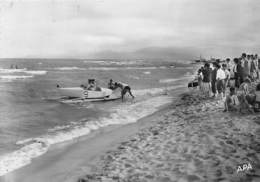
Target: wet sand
x=192, y=141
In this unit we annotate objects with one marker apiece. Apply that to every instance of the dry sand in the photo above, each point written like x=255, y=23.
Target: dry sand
x=192, y=141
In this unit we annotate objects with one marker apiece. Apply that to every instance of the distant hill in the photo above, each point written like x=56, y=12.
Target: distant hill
x=151, y=53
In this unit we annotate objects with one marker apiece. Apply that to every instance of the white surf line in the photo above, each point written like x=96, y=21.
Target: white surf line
x=35, y=147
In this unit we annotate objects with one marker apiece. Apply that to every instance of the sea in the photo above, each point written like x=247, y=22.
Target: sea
x=33, y=118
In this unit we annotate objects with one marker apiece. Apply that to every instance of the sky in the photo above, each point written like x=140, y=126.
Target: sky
x=130, y=28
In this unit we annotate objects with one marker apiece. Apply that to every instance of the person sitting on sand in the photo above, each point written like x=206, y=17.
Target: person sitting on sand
x=232, y=102
x=257, y=98
x=125, y=88
x=245, y=97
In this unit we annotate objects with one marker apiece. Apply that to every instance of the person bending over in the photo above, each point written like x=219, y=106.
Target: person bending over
x=125, y=88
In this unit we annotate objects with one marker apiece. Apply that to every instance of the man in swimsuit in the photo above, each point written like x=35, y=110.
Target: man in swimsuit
x=125, y=88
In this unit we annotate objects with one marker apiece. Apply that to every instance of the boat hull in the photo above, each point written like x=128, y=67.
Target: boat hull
x=83, y=93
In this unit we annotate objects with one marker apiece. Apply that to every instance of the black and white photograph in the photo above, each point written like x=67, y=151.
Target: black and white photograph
x=129, y=91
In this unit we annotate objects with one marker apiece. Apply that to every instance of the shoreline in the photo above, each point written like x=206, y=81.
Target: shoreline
x=102, y=152
x=50, y=165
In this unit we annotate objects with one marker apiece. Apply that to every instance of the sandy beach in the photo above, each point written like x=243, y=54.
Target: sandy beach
x=192, y=141
x=189, y=140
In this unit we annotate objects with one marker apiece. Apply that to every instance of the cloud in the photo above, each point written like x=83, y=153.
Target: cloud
x=82, y=28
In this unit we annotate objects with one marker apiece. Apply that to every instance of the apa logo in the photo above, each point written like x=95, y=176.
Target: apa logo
x=244, y=167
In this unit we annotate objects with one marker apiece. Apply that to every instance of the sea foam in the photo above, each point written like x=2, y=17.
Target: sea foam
x=126, y=68
x=35, y=147
x=69, y=68
x=121, y=114
x=24, y=70
x=14, y=77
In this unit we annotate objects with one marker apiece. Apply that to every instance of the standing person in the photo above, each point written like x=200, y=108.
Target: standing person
x=232, y=75
x=246, y=67
x=214, y=78
x=242, y=59
x=253, y=68
x=229, y=64
x=227, y=73
x=206, y=80
x=200, y=77
x=240, y=73
x=258, y=68
x=221, y=76
x=125, y=88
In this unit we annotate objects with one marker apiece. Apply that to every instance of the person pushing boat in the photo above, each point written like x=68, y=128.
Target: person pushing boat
x=125, y=88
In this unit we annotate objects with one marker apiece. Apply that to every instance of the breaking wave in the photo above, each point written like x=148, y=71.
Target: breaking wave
x=69, y=68
x=121, y=114
x=14, y=77
x=24, y=70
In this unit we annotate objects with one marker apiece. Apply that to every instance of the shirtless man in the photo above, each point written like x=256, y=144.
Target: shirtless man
x=125, y=88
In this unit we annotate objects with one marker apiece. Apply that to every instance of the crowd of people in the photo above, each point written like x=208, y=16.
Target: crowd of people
x=236, y=81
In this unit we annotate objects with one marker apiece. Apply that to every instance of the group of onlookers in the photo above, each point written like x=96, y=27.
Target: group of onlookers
x=240, y=75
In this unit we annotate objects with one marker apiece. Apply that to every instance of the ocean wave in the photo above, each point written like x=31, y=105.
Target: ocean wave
x=24, y=70
x=127, y=68
x=14, y=77
x=3, y=70
x=109, y=62
x=22, y=157
x=169, y=80
x=147, y=72
x=36, y=72
x=134, y=77
x=35, y=147
x=69, y=68
x=110, y=68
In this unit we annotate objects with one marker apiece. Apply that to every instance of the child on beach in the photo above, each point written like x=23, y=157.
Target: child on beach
x=232, y=102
